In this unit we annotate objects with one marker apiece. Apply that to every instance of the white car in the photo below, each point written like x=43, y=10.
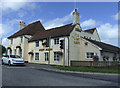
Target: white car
x=12, y=60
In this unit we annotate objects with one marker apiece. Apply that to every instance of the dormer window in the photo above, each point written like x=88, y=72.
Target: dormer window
x=21, y=39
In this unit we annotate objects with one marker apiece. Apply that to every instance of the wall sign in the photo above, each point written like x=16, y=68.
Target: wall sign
x=76, y=39
x=45, y=49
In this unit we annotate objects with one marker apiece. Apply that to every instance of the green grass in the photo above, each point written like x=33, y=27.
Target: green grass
x=90, y=69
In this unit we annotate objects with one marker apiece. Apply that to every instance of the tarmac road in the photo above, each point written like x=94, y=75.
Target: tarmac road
x=30, y=76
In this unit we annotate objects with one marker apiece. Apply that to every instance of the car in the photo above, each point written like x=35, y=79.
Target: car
x=12, y=60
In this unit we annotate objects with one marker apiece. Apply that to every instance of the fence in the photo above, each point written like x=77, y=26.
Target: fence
x=94, y=64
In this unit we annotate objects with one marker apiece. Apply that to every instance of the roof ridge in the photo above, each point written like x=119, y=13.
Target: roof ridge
x=90, y=29
x=59, y=26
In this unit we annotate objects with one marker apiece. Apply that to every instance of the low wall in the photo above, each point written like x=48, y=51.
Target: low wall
x=94, y=64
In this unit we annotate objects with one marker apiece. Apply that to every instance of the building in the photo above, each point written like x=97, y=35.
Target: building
x=37, y=45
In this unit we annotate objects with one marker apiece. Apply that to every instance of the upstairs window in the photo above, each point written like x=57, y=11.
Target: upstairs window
x=21, y=39
x=56, y=41
x=11, y=41
x=37, y=43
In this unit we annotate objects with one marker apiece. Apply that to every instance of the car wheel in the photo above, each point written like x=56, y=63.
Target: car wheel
x=9, y=63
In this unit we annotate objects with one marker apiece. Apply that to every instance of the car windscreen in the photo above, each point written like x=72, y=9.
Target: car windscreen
x=12, y=56
x=18, y=56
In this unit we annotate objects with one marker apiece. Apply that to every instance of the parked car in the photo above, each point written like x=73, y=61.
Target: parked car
x=12, y=60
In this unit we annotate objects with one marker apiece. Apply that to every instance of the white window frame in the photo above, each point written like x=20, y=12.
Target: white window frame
x=21, y=39
x=56, y=56
x=46, y=56
x=37, y=42
x=37, y=56
x=88, y=55
x=56, y=41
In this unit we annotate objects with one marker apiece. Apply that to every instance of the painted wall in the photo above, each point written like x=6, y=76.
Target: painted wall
x=41, y=50
x=23, y=45
x=78, y=48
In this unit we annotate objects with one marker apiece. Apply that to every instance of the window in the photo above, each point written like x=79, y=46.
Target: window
x=36, y=56
x=56, y=41
x=11, y=41
x=15, y=51
x=10, y=52
x=46, y=57
x=20, y=52
x=56, y=56
x=37, y=43
x=21, y=39
x=89, y=54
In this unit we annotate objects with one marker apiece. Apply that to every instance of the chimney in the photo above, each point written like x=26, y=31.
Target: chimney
x=75, y=17
x=21, y=25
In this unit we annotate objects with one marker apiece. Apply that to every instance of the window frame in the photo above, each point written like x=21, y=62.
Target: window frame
x=20, y=52
x=15, y=51
x=37, y=44
x=56, y=56
x=56, y=41
x=36, y=56
x=46, y=56
x=21, y=39
x=89, y=55
x=11, y=41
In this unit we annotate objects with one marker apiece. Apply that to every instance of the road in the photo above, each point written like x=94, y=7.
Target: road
x=30, y=76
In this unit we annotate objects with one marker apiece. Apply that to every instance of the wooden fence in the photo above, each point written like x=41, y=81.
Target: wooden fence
x=94, y=64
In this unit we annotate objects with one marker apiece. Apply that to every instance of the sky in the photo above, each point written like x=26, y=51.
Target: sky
x=100, y=15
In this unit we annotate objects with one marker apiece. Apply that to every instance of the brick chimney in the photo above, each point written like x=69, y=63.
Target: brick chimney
x=75, y=17
x=21, y=25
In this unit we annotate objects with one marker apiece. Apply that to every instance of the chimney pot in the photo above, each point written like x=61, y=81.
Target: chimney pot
x=75, y=10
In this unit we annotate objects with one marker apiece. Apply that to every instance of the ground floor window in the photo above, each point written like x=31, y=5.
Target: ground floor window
x=56, y=56
x=36, y=56
x=20, y=52
x=89, y=54
x=46, y=56
x=10, y=52
x=15, y=52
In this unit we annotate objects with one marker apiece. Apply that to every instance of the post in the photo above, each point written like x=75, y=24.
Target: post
x=49, y=52
x=64, y=51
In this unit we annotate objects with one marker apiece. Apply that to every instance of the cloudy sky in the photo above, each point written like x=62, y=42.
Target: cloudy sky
x=102, y=15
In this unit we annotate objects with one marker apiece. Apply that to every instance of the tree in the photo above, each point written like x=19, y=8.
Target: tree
x=3, y=49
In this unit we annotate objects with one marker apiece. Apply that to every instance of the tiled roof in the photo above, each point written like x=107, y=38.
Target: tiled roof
x=104, y=46
x=54, y=32
x=90, y=30
x=31, y=29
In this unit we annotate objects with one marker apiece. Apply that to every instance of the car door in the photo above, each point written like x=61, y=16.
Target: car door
x=5, y=59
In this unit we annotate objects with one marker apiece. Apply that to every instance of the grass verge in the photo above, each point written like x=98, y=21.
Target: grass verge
x=90, y=69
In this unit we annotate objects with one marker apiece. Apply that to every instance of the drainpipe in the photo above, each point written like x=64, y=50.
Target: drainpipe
x=68, y=49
